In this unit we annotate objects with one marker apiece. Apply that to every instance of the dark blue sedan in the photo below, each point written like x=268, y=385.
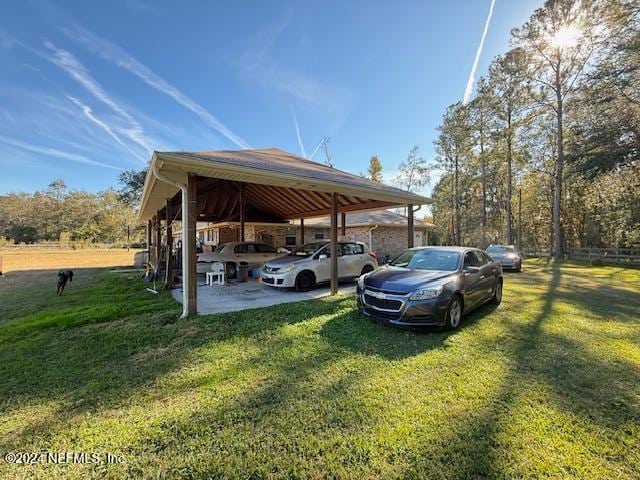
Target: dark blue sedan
x=430, y=286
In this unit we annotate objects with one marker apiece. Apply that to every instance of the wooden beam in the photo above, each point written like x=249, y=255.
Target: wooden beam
x=334, y=244
x=343, y=224
x=230, y=211
x=263, y=201
x=372, y=205
x=223, y=204
x=320, y=198
x=410, y=233
x=169, y=265
x=302, y=231
x=158, y=239
x=299, y=197
x=189, y=279
x=242, y=211
x=149, y=230
x=284, y=202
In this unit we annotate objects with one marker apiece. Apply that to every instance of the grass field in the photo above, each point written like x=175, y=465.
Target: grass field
x=545, y=386
x=31, y=259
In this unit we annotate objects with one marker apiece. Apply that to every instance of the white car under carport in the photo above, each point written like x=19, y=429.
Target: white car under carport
x=231, y=254
x=310, y=264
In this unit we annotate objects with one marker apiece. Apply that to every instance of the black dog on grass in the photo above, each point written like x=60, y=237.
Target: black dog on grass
x=63, y=277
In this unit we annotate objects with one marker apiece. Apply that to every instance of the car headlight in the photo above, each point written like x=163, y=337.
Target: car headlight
x=361, y=281
x=288, y=268
x=426, y=293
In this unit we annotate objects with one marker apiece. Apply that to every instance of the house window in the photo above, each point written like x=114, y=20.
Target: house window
x=319, y=234
x=290, y=237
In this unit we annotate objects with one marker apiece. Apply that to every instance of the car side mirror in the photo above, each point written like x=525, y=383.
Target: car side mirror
x=323, y=256
x=470, y=270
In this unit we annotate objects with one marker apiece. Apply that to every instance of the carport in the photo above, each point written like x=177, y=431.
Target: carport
x=262, y=185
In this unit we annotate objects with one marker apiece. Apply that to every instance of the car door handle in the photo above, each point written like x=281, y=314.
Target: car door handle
x=481, y=277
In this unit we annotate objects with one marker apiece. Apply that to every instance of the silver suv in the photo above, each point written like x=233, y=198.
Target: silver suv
x=310, y=264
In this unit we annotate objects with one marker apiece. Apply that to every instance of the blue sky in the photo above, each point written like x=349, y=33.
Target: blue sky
x=90, y=88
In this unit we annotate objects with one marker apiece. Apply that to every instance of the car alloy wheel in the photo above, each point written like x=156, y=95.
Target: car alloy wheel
x=454, y=314
x=305, y=282
x=497, y=293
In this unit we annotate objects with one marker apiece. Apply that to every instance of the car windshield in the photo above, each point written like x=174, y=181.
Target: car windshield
x=219, y=248
x=428, y=260
x=500, y=249
x=307, y=249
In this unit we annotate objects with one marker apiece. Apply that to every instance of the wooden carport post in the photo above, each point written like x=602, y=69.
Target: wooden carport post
x=158, y=239
x=302, y=231
x=343, y=225
x=168, y=220
x=242, y=208
x=149, y=230
x=334, y=244
x=189, y=280
x=410, y=233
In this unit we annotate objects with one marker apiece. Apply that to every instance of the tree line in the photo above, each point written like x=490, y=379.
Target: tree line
x=545, y=154
x=58, y=214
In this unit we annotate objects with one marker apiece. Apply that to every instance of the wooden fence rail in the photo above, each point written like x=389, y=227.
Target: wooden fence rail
x=627, y=256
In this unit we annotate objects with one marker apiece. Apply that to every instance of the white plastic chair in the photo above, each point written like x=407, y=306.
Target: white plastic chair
x=217, y=275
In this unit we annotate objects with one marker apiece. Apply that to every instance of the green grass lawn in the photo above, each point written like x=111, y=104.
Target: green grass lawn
x=545, y=386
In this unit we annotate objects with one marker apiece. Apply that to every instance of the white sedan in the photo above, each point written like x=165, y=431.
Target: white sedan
x=310, y=264
x=231, y=254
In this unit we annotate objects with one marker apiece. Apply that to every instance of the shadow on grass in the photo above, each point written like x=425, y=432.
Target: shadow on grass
x=99, y=366
x=356, y=333
x=300, y=383
x=582, y=386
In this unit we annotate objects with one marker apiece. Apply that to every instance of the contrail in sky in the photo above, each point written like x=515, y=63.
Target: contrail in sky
x=120, y=58
x=68, y=62
x=295, y=122
x=89, y=114
x=54, y=152
x=472, y=76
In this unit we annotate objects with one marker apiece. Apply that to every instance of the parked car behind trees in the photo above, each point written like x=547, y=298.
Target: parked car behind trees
x=507, y=256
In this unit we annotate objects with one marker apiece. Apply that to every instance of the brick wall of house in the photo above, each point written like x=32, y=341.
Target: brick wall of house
x=310, y=233
x=386, y=241
x=389, y=241
x=392, y=241
x=274, y=235
x=226, y=235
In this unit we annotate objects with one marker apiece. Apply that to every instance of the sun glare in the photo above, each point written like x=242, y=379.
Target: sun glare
x=565, y=37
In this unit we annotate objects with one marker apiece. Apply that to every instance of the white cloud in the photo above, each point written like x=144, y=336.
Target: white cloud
x=472, y=75
x=69, y=63
x=119, y=57
x=74, y=157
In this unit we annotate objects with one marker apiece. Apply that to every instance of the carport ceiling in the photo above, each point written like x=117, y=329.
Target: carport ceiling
x=277, y=186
